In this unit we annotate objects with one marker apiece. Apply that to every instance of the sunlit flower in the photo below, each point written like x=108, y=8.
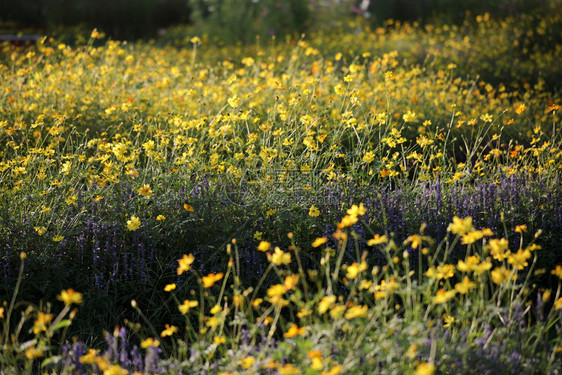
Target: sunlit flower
x=499, y=275
x=279, y=257
x=377, y=240
x=32, y=353
x=443, y=296
x=40, y=324
x=557, y=272
x=133, y=223
x=325, y=303
x=69, y=297
x=187, y=305
x=558, y=304
x=169, y=330
x=145, y=191
x=247, y=362
x=460, y=226
x=354, y=269
x=264, y=246
x=519, y=259
x=499, y=248
x=319, y=241
x=294, y=330
x=185, y=263
x=465, y=286
x=313, y=211
x=425, y=368
x=356, y=312
x=149, y=342
x=211, y=279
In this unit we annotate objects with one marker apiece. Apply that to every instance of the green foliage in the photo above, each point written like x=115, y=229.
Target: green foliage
x=243, y=20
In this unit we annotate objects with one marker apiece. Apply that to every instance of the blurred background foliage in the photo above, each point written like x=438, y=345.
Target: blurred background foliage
x=239, y=20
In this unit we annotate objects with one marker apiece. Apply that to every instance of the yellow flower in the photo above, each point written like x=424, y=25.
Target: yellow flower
x=264, y=246
x=188, y=207
x=443, y=296
x=145, y=191
x=499, y=275
x=219, y=340
x=486, y=117
x=271, y=364
x=369, y=157
x=377, y=240
x=1, y=313
x=280, y=257
x=354, y=269
x=149, y=342
x=498, y=249
x=409, y=116
x=325, y=303
x=169, y=330
x=445, y=271
x=313, y=211
x=234, y=101
x=247, y=362
x=460, y=226
x=520, y=228
x=558, y=304
x=69, y=297
x=465, y=286
x=40, y=325
x=58, y=238
x=316, y=359
x=291, y=281
x=520, y=108
x=71, y=200
x=475, y=235
x=134, y=223
x=289, y=369
x=90, y=357
x=356, y=312
x=184, y=308
x=449, y=320
x=160, y=217
x=319, y=241
x=294, y=330
x=169, y=287
x=32, y=353
x=519, y=259
x=115, y=370
x=469, y=264
x=185, y=263
x=276, y=290
x=40, y=230
x=357, y=210
x=425, y=368
x=557, y=271
x=211, y=278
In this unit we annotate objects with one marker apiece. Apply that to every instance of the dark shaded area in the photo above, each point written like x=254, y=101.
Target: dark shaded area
x=111, y=265
x=451, y=11
x=120, y=19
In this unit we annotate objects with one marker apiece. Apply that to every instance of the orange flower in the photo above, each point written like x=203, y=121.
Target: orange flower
x=211, y=278
x=294, y=330
x=185, y=263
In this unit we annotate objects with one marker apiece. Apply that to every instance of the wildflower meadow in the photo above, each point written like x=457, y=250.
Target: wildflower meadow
x=357, y=199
